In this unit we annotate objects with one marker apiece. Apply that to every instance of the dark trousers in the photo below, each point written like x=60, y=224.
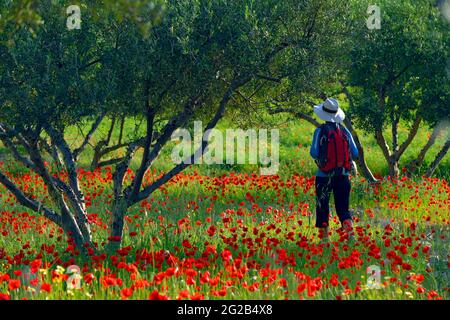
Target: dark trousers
x=340, y=185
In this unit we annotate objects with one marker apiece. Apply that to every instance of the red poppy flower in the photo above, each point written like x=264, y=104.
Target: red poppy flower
x=183, y=294
x=4, y=296
x=46, y=287
x=13, y=284
x=211, y=230
x=88, y=278
x=205, y=277
x=226, y=255
x=156, y=296
x=420, y=290
x=125, y=293
x=197, y=296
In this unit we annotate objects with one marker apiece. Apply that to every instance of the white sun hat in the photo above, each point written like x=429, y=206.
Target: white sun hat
x=329, y=111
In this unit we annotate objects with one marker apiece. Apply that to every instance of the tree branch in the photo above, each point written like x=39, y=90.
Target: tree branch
x=91, y=63
x=165, y=135
x=29, y=203
x=410, y=138
x=381, y=141
x=361, y=161
x=441, y=154
x=394, y=77
x=296, y=113
x=150, y=114
x=414, y=164
x=200, y=151
x=88, y=137
x=268, y=78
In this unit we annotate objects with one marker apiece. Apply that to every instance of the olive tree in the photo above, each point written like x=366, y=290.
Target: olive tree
x=397, y=74
x=198, y=57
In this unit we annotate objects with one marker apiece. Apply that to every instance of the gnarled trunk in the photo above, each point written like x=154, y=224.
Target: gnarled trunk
x=415, y=164
x=441, y=154
x=72, y=228
x=361, y=161
x=393, y=167
x=120, y=206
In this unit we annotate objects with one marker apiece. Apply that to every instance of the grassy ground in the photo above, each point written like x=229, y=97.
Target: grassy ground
x=238, y=236
x=295, y=140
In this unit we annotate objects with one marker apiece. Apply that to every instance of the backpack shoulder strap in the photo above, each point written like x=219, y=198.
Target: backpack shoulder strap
x=344, y=131
x=324, y=128
x=323, y=134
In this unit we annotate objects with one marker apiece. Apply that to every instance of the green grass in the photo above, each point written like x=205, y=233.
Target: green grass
x=295, y=140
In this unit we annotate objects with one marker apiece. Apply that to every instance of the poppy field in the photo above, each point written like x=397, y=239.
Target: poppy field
x=168, y=150
x=232, y=236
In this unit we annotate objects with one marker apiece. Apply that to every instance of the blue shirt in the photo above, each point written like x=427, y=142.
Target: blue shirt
x=314, y=152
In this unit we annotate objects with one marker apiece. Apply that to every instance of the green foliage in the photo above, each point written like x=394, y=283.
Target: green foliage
x=50, y=73
x=19, y=13
x=193, y=50
x=303, y=71
x=28, y=13
x=400, y=69
x=129, y=55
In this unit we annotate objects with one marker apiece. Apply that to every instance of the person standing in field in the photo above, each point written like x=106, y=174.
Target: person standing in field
x=333, y=149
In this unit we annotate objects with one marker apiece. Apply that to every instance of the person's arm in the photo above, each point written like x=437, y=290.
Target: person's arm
x=314, y=151
x=353, y=148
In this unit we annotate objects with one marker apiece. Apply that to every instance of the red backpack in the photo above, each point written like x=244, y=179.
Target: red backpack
x=334, y=148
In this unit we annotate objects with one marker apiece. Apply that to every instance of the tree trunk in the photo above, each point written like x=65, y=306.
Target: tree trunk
x=441, y=154
x=96, y=157
x=361, y=161
x=70, y=227
x=393, y=167
x=364, y=169
x=394, y=129
x=120, y=207
x=390, y=158
x=415, y=164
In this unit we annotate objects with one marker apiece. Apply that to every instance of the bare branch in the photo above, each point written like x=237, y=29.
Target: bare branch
x=28, y=202
x=441, y=154
x=298, y=114
x=88, y=137
x=91, y=63
x=150, y=114
x=110, y=162
x=381, y=141
x=268, y=78
x=200, y=151
x=416, y=163
x=122, y=167
x=165, y=135
x=411, y=135
x=394, y=77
